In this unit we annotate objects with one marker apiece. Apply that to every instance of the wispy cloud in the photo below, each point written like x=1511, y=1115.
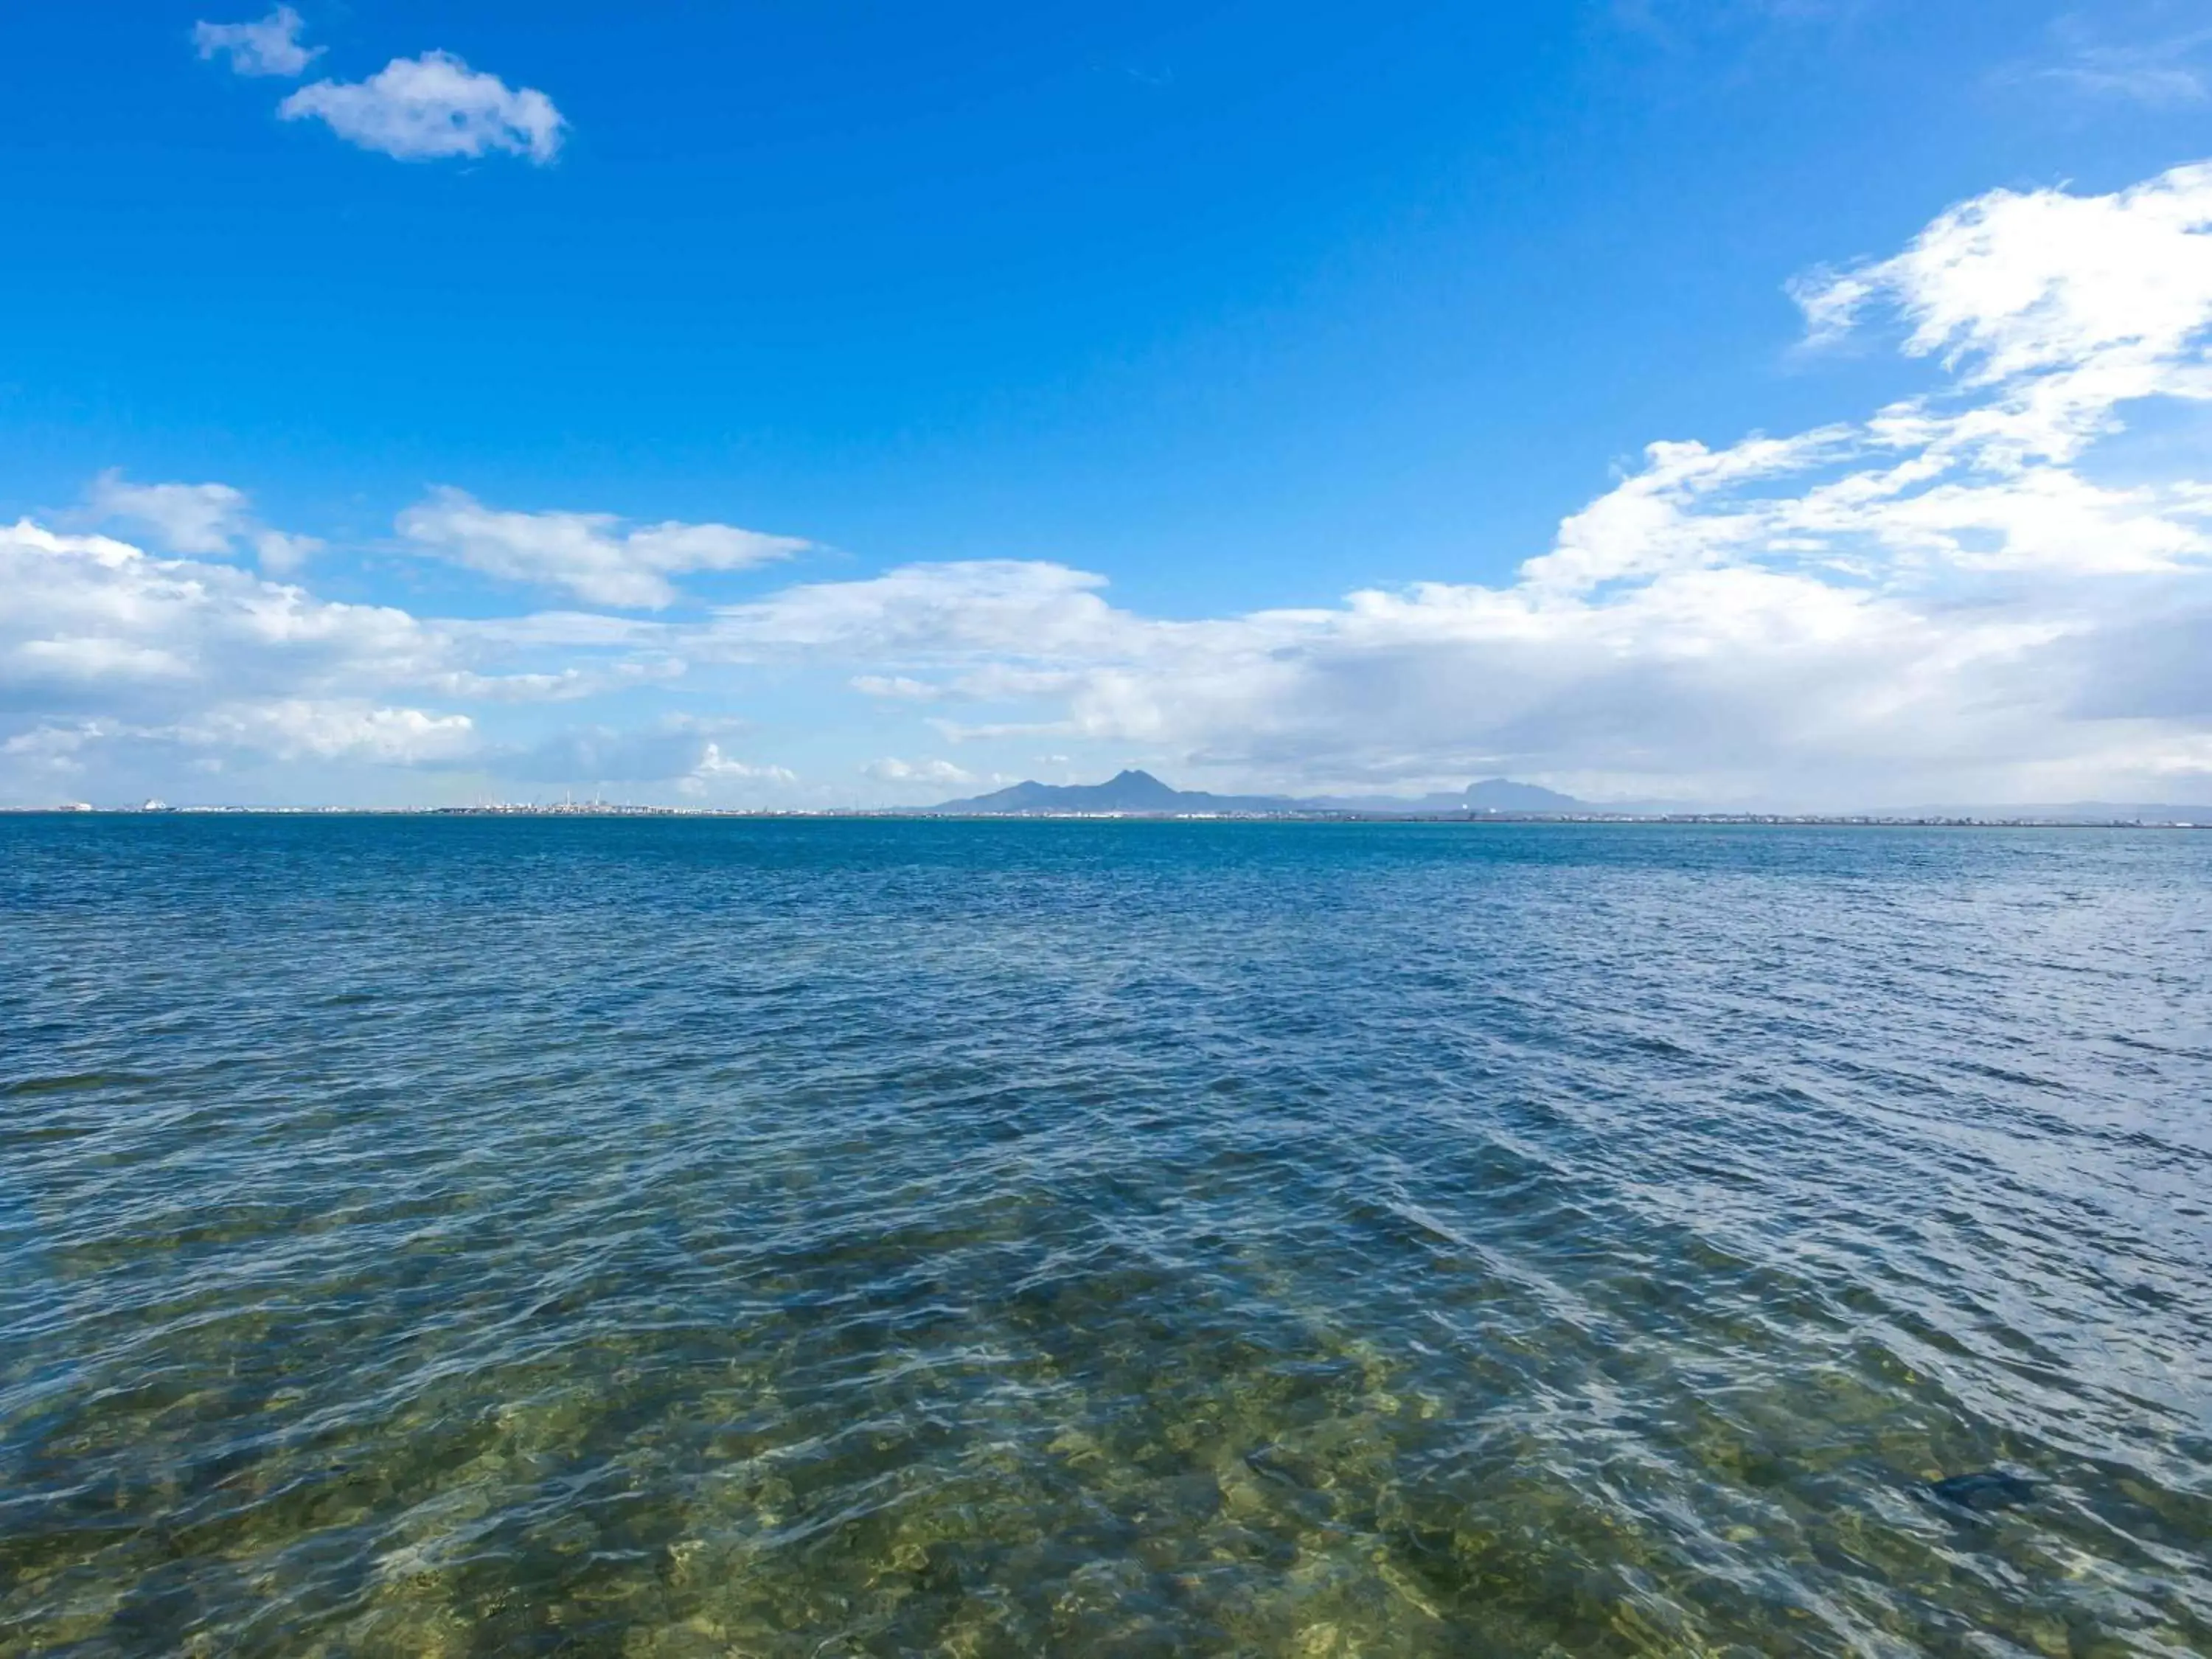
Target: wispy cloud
x=2166, y=71
x=196, y=518
x=1941, y=594
x=202, y=517
x=592, y=555
x=901, y=687
x=1954, y=596
x=434, y=106
x=270, y=47
x=1681, y=24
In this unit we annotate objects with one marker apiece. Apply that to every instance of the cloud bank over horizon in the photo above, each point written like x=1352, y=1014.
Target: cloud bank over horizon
x=1988, y=592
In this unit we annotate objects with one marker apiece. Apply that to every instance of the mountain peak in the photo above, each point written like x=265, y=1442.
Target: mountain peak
x=1505, y=795
x=1133, y=791
x=1127, y=791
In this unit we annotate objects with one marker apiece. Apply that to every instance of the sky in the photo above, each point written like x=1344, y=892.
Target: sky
x=1755, y=402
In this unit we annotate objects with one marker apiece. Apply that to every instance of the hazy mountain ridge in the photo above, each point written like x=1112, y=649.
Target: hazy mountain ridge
x=1134, y=792
x=1126, y=791
x=1140, y=793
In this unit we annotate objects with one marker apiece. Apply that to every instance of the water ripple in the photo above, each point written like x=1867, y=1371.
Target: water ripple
x=699, y=1237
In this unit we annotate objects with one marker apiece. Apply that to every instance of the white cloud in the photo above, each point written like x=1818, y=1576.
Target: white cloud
x=350, y=731
x=2101, y=296
x=566, y=685
x=201, y=518
x=1985, y=592
x=893, y=770
x=715, y=771
x=589, y=554
x=105, y=649
x=674, y=748
x=54, y=748
x=294, y=728
x=2157, y=78
x=2163, y=72
x=1931, y=599
x=280, y=553
x=900, y=687
x=91, y=610
x=270, y=47
x=939, y=612
x=420, y=108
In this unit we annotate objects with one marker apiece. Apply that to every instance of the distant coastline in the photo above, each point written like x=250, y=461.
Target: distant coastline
x=1139, y=795
x=617, y=810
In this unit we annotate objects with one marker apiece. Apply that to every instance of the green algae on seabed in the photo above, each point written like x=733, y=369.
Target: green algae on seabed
x=1305, y=1496
x=819, y=1239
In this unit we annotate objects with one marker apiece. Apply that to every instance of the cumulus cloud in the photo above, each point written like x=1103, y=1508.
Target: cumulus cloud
x=434, y=106
x=715, y=772
x=674, y=748
x=1980, y=592
x=270, y=47
x=108, y=650
x=1930, y=598
x=93, y=611
x=590, y=555
x=196, y=518
x=294, y=728
x=348, y=732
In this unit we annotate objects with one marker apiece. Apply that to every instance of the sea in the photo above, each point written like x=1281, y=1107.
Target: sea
x=688, y=1236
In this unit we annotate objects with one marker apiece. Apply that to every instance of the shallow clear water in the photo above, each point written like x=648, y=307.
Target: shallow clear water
x=686, y=1238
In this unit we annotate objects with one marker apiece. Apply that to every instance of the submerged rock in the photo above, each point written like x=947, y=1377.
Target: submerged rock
x=1984, y=1489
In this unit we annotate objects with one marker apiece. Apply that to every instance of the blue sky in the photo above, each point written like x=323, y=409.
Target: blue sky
x=1037, y=384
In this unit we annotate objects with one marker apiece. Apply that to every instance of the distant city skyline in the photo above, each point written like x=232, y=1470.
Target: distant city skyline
x=1749, y=406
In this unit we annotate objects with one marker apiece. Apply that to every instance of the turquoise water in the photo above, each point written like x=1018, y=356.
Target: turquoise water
x=688, y=1238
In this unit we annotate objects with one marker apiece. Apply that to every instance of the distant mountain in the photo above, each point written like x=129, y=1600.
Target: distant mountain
x=1142, y=793
x=1504, y=795
x=1126, y=791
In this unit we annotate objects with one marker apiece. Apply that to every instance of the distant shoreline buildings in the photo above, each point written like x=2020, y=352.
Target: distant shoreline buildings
x=1491, y=817
x=1131, y=795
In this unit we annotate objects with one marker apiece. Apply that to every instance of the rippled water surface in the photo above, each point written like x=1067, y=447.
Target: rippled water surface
x=690, y=1237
